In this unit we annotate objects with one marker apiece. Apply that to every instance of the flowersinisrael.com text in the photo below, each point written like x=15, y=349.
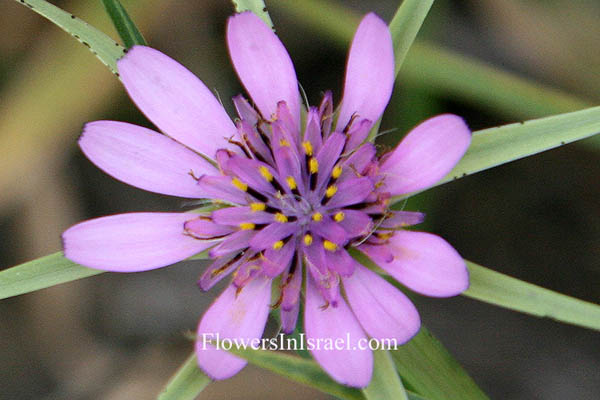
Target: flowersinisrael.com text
x=301, y=342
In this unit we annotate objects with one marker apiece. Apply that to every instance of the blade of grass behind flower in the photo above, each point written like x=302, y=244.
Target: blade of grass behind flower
x=256, y=6
x=41, y=273
x=504, y=291
x=428, y=368
x=304, y=371
x=127, y=30
x=103, y=47
x=385, y=383
x=187, y=382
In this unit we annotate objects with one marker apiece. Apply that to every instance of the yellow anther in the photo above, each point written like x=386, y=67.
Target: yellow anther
x=384, y=236
x=264, y=171
x=278, y=244
x=313, y=165
x=331, y=190
x=239, y=184
x=258, y=206
x=337, y=171
x=284, y=143
x=291, y=182
x=329, y=246
x=339, y=217
x=308, y=239
x=247, y=226
x=308, y=149
x=279, y=217
x=317, y=217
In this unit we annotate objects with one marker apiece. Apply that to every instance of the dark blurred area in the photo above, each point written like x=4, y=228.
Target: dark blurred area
x=121, y=336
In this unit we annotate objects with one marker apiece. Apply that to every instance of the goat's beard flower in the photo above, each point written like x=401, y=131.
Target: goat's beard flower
x=300, y=189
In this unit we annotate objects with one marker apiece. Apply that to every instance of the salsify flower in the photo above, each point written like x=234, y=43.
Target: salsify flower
x=297, y=188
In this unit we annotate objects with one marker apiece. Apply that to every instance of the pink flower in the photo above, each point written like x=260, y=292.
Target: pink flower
x=300, y=194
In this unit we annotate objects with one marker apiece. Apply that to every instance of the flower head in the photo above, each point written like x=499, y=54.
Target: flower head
x=298, y=188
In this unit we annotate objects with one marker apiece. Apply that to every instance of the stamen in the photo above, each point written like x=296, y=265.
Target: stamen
x=264, y=171
x=278, y=245
x=239, y=184
x=337, y=171
x=291, y=182
x=339, y=217
x=308, y=239
x=384, y=236
x=313, y=165
x=279, y=217
x=331, y=190
x=317, y=217
x=308, y=148
x=284, y=143
x=258, y=206
x=247, y=226
x=329, y=246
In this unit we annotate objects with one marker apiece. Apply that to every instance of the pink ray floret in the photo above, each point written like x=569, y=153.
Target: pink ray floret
x=293, y=198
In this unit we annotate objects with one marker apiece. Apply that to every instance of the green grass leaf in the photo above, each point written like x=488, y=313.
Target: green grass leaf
x=504, y=291
x=405, y=25
x=256, y=6
x=128, y=32
x=385, y=383
x=304, y=371
x=187, y=382
x=496, y=146
x=103, y=47
x=41, y=273
x=428, y=369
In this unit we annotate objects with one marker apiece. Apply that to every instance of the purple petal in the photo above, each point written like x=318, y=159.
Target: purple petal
x=246, y=112
x=400, y=219
x=143, y=158
x=383, y=311
x=356, y=223
x=358, y=133
x=131, y=242
x=379, y=253
x=204, y=228
x=272, y=233
x=326, y=113
x=347, y=364
x=351, y=191
x=426, y=154
x=328, y=156
x=253, y=140
x=340, y=261
x=289, y=318
x=238, y=215
x=427, y=264
x=313, y=129
x=369, y=72
x=262, y=64
x=248, y=171
x=275, y=261
x=232, y=316
x=291, y=284
x=221, y=188
x=219, y=269
x=329, y=230
x=234, y=242
x=358, y=161
x=175, y=100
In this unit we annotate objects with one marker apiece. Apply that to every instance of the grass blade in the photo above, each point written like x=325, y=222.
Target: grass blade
x=41, y=273
x=431, y=371
x=504, y=291
x=256, y=6
x=405, y=25
x=386, y=383
x=128, y=32
x=187, y=382
x=103, y=47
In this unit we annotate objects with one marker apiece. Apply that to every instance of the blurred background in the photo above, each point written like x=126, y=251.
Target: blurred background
x=118, y=336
